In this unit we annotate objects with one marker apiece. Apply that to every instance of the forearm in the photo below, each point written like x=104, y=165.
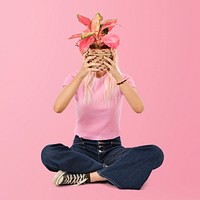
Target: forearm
x=67, y=94
x=131, y=95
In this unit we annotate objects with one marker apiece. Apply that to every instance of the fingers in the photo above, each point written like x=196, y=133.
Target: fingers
x=103, y=68
x=93, y=66
x=110, y=64
x=109, y=60
x=89, y=58
x=96, y=67
x=94, y=70
x=84, y=56
x=107, y=65
x=113, y=51
x=90, y=65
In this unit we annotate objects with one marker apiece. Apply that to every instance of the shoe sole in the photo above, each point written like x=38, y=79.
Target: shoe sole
x=57, y=178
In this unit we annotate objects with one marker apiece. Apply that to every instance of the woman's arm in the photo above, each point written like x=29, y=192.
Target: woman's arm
x=69, y=90
x=67, y=93
x=131, y=95
x=128, y=91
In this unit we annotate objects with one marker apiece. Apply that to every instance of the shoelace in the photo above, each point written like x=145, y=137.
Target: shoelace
x=74, y=179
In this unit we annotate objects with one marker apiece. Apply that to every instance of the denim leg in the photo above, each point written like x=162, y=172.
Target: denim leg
x=60, y=157
x=129, y=168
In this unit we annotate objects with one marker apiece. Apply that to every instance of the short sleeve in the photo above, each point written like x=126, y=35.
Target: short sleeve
x=130, y=80
x=69, y=78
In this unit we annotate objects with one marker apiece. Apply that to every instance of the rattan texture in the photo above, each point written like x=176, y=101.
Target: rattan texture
x=99, y=53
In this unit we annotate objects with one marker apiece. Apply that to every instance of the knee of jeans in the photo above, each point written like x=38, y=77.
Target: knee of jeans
x=157, y=154
x=48, y=152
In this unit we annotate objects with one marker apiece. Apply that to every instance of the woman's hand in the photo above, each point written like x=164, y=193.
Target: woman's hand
x=129, y=92
x=88, y=66
x=111, y=65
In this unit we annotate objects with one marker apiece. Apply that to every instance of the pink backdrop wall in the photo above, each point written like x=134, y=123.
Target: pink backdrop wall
x=159, y=49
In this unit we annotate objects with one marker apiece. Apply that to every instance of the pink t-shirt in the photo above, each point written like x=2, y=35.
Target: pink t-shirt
x=98, y=120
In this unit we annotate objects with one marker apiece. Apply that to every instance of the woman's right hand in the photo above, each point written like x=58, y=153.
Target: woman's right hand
x=88, y=66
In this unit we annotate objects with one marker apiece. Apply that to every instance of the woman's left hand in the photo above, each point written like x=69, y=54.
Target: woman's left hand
x=111, y=65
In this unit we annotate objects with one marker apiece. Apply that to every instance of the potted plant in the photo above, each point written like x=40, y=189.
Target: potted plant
x=96, y=39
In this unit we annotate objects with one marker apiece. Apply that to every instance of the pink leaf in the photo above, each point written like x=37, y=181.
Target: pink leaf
x=84, y=20
x=110, y=23
x=95, y=23
x=110, y=28
x=85, y=43
x=86, y=33
x=75, y=36
x=111, y=40
x=77, y=43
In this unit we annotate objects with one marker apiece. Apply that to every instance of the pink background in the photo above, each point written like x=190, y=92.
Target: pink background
x=159, y=48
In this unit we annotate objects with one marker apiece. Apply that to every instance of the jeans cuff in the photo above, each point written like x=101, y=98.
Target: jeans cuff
x=100, y=172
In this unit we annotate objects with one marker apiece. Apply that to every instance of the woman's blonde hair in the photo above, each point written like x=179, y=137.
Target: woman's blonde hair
x=110, y=86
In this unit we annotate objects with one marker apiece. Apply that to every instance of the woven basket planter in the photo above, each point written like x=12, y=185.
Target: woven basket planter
x=99, y=53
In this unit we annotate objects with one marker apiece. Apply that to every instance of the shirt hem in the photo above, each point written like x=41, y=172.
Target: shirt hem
x=97, y=137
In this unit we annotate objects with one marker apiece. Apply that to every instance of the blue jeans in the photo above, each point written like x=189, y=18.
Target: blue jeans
x=125, y=168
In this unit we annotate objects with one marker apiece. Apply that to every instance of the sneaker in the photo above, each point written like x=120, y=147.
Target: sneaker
x=65, y=178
